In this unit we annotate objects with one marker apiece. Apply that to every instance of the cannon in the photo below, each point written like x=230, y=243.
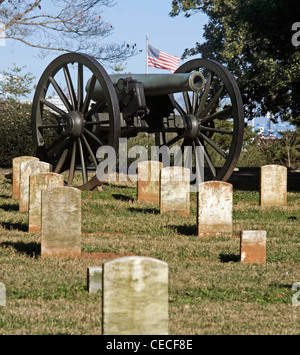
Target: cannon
x=200, y=105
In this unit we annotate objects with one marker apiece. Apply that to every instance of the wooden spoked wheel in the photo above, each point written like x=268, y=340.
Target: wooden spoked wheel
x=68, y=126
x=213, y=119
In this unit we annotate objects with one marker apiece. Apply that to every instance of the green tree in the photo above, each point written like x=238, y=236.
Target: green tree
x=289, y=149
x=254, y=39
x=284, y=150
x=15, y=84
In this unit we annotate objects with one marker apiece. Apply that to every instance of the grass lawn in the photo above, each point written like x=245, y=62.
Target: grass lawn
x=210, y=291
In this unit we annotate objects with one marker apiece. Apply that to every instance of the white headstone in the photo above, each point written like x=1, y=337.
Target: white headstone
x=26, y=170
x=135, y=296
x=16, y=163
x=273, y=185
x=37, y=183
x=214, y=209
x=175, y=190
x=148, y=181
x=61, y=222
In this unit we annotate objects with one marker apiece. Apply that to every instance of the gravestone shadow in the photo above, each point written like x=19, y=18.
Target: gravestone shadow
x=5, y=196
x=10, y=207
x=144, y=210
x=15, y=226
x=122, y=198
x=31, y=249
x=188, y=230
x=227, y=258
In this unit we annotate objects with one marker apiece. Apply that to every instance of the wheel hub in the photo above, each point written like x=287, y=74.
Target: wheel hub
x=192, y=126
x=72, y=124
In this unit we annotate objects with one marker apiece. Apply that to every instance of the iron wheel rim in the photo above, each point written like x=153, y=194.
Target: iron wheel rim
x=77, y=147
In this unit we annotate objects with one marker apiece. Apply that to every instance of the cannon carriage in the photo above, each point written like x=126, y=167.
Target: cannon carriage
x=200, y=105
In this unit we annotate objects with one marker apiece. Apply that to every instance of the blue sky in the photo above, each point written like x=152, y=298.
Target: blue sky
x=132, y=21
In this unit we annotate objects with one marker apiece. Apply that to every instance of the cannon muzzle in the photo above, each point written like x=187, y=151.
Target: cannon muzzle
x=157, y=84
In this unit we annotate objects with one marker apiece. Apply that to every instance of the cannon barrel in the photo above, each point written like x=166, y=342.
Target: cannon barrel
x=157, y=84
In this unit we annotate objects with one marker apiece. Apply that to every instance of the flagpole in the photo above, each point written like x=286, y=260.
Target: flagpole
x=147, y=51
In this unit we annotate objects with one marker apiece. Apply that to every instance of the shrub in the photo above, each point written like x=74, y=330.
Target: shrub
x=15, y=131
x=284, y=150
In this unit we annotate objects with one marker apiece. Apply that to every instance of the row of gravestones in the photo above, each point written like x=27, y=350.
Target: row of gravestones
x=142, y=282
x=169, y=187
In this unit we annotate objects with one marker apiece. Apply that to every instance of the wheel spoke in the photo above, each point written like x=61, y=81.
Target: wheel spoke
x=204, y=95
x=216, y=130
x=195, y=101
x=70, y=86
x=58, y=145
x=89, y=95
x=188, y=154
x=72, y=165
x=94, y=137
x=89, y=150
x=96, y=123
x=199, y=163
x=187, y=102
x=53, y=107
x=210, y=163
x=82, y=161
x=179, y=108
x=54, y=125
x=160, y=139
x=60, y=94
x=98, y=107
x=178, y=156
x=174, y=140
x=212, y=102
x=207, y=158
x=213, y=145
x=218, y=115
x=61, y=161
x=80, y=87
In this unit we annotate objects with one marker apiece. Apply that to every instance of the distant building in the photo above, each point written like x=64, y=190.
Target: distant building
x=268, y=129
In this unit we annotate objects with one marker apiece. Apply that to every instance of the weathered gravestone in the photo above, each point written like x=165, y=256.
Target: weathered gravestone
x=175, y=190
x=273, y=185
x=94, y=279
x=2, y=295
x=135, y=296
x=26, y=170
x=16, y=163
x=61, y=222
x=37, y=182
x=148, y=181
x=253, y=246
x=214, y=209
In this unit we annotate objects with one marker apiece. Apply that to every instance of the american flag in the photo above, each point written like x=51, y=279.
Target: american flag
x=161, y=60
